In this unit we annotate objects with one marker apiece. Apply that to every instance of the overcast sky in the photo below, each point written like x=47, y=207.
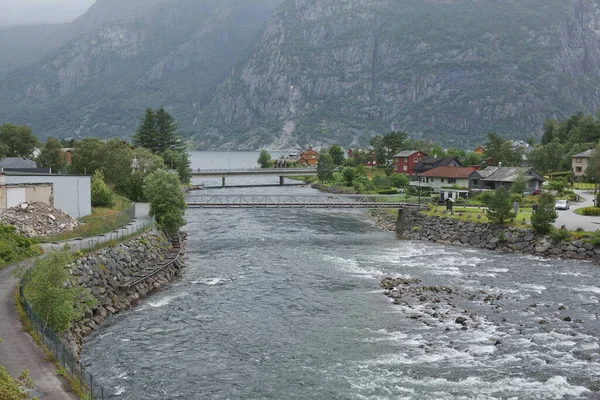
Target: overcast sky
x=25, y=12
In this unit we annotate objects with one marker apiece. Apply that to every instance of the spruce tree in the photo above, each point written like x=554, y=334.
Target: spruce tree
x=146, y=134
x=499, y=209
x=166, y=133
x=545, y=215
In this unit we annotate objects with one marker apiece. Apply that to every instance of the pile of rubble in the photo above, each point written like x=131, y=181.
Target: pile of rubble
x=38, y=220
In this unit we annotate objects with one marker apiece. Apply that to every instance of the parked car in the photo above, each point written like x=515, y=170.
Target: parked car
x=562, y=205
x=537, y=191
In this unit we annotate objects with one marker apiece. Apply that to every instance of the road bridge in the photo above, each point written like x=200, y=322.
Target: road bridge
x=298, y=201
x=281, y=172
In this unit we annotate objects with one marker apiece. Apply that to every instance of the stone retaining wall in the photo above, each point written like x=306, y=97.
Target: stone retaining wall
x=415, y=226
x=105, y=272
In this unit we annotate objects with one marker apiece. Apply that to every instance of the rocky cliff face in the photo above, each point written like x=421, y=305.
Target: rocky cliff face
x=146, y=53
x=287, y=73
x=328, y=71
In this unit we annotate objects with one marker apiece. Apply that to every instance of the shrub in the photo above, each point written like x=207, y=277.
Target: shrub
x=499, y=208
x=382, y=182
x=591, y=211
x=595, y=239
x=14, y=247
x=560, y=235
x=101, y=194
x=388, y=191
x=14, y=389
x=167, y=200
x=399, y=180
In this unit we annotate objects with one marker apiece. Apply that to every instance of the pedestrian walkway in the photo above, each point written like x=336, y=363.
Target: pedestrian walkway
x=18, y=351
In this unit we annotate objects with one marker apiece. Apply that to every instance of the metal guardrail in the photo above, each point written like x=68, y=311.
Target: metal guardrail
x=297, y=201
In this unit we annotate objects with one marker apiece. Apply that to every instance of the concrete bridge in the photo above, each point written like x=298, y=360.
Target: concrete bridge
x=298, y=201
x=281, y=172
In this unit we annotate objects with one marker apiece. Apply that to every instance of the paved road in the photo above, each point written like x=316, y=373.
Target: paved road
x=573, y=221
x=17, y=350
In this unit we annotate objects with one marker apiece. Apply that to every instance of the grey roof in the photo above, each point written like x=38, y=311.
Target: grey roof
x=17, y=162
x=585, y=154
x=406, y=153
x=507, y=174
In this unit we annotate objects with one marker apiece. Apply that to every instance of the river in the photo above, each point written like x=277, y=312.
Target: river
x=286, y=304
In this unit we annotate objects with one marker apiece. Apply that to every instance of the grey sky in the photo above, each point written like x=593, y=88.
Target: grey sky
x=26, y=12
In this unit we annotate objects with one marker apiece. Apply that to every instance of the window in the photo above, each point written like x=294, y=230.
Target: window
x=578, y=160
x=475, y=182
x=405, y=168
x=451, y=180
x=442, y=180
x=578, y=169
x=416, y=159
x=405, y=159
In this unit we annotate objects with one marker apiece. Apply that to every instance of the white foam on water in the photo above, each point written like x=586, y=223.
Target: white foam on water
x=210, y=281
x=532, y=287
x=592, y=289
x=105, y=335
x=576, y=274
x=352, y=267
x=125, y=340
x=166, y=300
x=119, y=390
x=498, y=270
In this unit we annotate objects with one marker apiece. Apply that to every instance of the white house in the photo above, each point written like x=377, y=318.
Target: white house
x=450, y=182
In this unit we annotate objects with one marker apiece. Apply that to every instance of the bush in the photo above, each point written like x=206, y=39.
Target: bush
x=560, y=235
x=595, y=239
x=500, y=208
x=14, y=247
x=11, y=389
x=399, y=180
x=382, y=182
x=591, y=211
x=101, y=194
x=388, y=191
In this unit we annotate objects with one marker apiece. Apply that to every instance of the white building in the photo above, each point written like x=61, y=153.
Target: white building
x=72, y=194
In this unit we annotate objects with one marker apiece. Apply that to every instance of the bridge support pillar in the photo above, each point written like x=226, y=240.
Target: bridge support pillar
x=223, y=181
x=282, y=180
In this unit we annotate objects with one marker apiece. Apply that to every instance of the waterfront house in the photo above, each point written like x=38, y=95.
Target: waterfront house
x=450, y=182
x=479, y=150
x=308, y=157
x=405, y=161
x=428, y=163
x=580, y=162
x=492, y=178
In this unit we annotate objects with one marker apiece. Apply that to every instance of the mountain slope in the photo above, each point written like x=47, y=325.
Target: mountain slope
x=329, y=71
x=171, y=53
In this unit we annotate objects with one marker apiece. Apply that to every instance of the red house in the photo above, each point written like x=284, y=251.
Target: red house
x=308, y=157
x=370, y=159
x=405, y=161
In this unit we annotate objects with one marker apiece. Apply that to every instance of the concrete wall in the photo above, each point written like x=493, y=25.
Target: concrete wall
x=39, y=194
x=13, y=195
x=72, y=194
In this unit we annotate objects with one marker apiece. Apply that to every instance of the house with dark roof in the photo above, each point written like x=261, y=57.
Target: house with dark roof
x=450, y=182
x=19, y=164
x=405, y=161
x=580, y=162
x=493, y=178
x=428, y=163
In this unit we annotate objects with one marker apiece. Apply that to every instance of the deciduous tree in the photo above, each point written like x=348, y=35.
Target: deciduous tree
x=325, y=167
x=337, y=154
x=264, y=159
x=52, y=156
x=19, y=140
x=51, y=296
x=167, y=200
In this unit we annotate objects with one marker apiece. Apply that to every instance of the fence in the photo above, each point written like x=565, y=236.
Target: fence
x=93, y=226
x=52, y=341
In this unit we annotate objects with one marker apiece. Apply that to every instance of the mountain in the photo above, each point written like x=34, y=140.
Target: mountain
x=329, y=71
x=125, y=55
x=248, y=74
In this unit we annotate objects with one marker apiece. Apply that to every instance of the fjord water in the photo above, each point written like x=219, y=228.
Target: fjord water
x=286, y=304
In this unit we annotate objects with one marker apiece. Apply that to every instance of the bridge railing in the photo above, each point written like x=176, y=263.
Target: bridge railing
x=257, y=169
x=318, y=200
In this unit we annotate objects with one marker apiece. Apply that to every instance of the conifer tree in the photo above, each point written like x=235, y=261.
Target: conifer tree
x=146, y=134
x=499, y=209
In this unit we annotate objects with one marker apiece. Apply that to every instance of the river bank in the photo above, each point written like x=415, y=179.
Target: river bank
x=118, y=277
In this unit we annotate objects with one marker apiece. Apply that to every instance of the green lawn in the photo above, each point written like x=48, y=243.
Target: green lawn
x=477, y=214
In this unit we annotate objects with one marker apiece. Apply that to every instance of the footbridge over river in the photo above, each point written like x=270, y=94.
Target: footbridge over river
x=299, y=201
x=281, y=172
